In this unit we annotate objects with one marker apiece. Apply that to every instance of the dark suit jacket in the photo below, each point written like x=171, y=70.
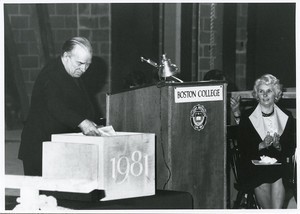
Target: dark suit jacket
x=248, y=140
x=59, y=103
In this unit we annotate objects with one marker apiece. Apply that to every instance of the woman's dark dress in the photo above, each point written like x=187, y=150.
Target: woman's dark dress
x=251, y=175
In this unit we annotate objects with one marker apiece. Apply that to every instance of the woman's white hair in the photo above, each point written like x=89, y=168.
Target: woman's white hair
x=268, y=79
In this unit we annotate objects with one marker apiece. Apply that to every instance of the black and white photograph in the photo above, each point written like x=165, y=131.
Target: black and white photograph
x=149, y=106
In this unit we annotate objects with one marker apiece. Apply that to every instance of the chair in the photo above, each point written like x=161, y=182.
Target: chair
x=294, y=181
x=245, y=198
x=290, y=179
x=295, y=178
x=291, y=175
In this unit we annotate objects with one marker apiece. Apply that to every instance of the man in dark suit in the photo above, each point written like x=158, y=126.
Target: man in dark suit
x=59, y=103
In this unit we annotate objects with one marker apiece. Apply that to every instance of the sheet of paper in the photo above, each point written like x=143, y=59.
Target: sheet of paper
x=107, y=131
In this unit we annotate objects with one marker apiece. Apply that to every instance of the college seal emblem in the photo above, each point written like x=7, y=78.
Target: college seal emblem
x=198, y=117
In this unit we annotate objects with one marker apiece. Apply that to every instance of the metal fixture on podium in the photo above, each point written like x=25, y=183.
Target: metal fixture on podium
x=165, y=68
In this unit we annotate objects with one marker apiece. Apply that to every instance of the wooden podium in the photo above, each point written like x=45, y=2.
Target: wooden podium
x=189, y=120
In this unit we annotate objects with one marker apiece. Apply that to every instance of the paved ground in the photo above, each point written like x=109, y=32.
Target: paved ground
x=12, y=142
x=13, y=166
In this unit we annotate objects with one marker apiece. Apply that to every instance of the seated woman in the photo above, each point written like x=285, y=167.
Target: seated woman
x=266, y=130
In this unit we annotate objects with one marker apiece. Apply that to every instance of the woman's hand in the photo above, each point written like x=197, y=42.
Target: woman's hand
x=267, y=142
x=276, y=144
x=235, y=106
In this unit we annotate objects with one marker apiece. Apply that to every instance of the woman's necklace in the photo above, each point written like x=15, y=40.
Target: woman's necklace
x=267, y=115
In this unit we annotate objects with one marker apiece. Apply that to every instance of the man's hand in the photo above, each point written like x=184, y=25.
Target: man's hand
x=89, y=128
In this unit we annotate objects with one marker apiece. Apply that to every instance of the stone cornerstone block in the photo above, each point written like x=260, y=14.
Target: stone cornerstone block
x=123, y=165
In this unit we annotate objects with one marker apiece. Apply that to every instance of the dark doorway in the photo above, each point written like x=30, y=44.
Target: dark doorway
x=271, y=42
x=135, y=33
x=229, y=41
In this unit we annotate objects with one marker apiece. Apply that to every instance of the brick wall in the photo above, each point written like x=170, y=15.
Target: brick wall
x=66, y=20
x=210, y=34
x=210, y=46
x=24, y=28
x=93, y=21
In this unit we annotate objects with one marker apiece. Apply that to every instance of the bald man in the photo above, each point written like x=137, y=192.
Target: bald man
x=59, y=103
